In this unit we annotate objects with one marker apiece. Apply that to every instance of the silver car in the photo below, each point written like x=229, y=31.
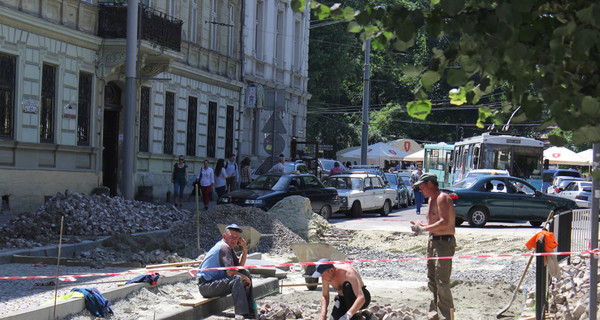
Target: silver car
x=578, y=191
x=561, y=182
x=362, y=192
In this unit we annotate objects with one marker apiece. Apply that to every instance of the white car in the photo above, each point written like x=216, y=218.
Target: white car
x=578, y=191
x=363, y=192
x=561, y=182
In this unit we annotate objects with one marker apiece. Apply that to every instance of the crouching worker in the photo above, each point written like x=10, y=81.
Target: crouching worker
x=352, y=292
x=221, y=283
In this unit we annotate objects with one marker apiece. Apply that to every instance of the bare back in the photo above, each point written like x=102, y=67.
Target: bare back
x=343, y=273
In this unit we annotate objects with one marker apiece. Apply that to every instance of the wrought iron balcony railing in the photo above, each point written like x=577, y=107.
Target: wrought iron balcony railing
x=156, y=27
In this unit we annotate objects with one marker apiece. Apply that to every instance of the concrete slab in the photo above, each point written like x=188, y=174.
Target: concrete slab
x=69, y=250
x=262, y=287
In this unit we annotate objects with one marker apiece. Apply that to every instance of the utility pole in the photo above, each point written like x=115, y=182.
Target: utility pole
x=366, y=95
x=130, y=101
x=594, y=236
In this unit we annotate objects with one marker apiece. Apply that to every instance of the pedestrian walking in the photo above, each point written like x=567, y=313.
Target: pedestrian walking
x=233, y=173
x=206, y=178
x=179, y=179
x=440, y=223
x=220, y=178
x=245, y=173
x=419, y=198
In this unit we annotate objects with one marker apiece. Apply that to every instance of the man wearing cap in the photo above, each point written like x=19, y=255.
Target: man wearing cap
x=222, y=282
x=440, y=225
x=352, y=292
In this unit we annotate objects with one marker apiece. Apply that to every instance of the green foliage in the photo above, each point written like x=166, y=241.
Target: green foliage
x=543, y=53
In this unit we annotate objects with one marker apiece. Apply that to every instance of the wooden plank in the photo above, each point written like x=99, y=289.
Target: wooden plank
x=71, y=263
x=197, y=302
x=300, y=284
x=176, y=264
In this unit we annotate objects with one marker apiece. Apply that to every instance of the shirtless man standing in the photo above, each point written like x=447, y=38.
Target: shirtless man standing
x=352, y=292
x=441, y=243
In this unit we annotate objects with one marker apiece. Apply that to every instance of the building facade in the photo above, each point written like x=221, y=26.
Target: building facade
x=275, y=50
x=62, y=94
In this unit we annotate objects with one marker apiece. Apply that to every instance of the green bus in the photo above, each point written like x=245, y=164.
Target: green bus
x=438, y=160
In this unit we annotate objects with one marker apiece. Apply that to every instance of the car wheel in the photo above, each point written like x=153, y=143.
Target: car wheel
x=325, y=212
x=535, y=223
x=478, y=216
x=356, y=210
x=458, y=221
x=386, y=209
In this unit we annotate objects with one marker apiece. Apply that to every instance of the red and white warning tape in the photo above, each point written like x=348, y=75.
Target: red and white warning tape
x=595, y=252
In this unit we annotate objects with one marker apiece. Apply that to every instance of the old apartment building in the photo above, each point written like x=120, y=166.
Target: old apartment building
x=62, y=87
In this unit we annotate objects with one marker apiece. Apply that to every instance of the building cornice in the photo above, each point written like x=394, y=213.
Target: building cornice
x=23, y=21
x=210, y=78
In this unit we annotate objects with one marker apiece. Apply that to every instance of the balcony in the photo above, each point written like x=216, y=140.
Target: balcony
x=156, y=27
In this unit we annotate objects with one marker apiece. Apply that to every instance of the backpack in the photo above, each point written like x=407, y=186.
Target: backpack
x=95, y=302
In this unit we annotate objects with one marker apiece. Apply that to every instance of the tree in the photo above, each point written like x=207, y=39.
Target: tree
x=544, y=53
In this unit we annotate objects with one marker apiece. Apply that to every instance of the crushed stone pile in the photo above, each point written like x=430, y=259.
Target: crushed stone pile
x=85, y=216
x=569, y=295
x=281, y=311
x=90, y=216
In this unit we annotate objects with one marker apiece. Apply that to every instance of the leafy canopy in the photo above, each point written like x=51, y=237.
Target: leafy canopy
x=544, y=53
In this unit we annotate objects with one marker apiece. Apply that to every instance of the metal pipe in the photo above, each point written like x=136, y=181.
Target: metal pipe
x=130, y=101
x=366, y=95
x=594, y=235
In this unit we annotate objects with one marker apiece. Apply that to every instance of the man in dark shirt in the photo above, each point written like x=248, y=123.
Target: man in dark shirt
x=221, y=282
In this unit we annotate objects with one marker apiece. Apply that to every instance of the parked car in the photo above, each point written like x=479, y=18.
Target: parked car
x=549, y=175
x=325, y=165
x=405, y=175
x=362, y=192
x=561, y=182
x=578, y=191
x=290, y=167
x=268, y=189
x=368, y=168
x=487, y=172
x=499, y=198
x=396, y=182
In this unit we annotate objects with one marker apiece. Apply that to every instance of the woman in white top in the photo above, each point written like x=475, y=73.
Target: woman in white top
x=220, y=178
x=206, y=177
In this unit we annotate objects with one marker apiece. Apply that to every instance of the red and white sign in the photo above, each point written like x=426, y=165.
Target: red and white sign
x=392, y=151
x=406, y=145
x=556, y=155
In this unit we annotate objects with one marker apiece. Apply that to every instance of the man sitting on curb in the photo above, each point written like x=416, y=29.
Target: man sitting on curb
x=221, y=283
x=352, y=292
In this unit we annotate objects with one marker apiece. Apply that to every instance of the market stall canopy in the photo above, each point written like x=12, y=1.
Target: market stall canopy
x=377, y=154
x=562, y=155
x=415, y=157
x=587, y=156
x=408, y=145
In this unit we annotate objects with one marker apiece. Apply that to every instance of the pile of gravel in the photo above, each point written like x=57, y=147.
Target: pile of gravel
x=281, y=311
x=85, y=216
x=89, y=216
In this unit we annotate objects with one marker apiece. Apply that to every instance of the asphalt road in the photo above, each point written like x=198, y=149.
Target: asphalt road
x=399, y=220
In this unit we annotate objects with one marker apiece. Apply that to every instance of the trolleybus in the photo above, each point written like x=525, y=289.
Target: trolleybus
x=438, y=160
x=521, y=156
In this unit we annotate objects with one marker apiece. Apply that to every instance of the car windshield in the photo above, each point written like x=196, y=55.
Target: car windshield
x=270, y=182
x=465, y=183
x=343, y=183
x=586, y=186
x=392, y=178
x=564, y=183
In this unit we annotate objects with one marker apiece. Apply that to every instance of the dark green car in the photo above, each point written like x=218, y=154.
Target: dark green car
x=486, y=199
